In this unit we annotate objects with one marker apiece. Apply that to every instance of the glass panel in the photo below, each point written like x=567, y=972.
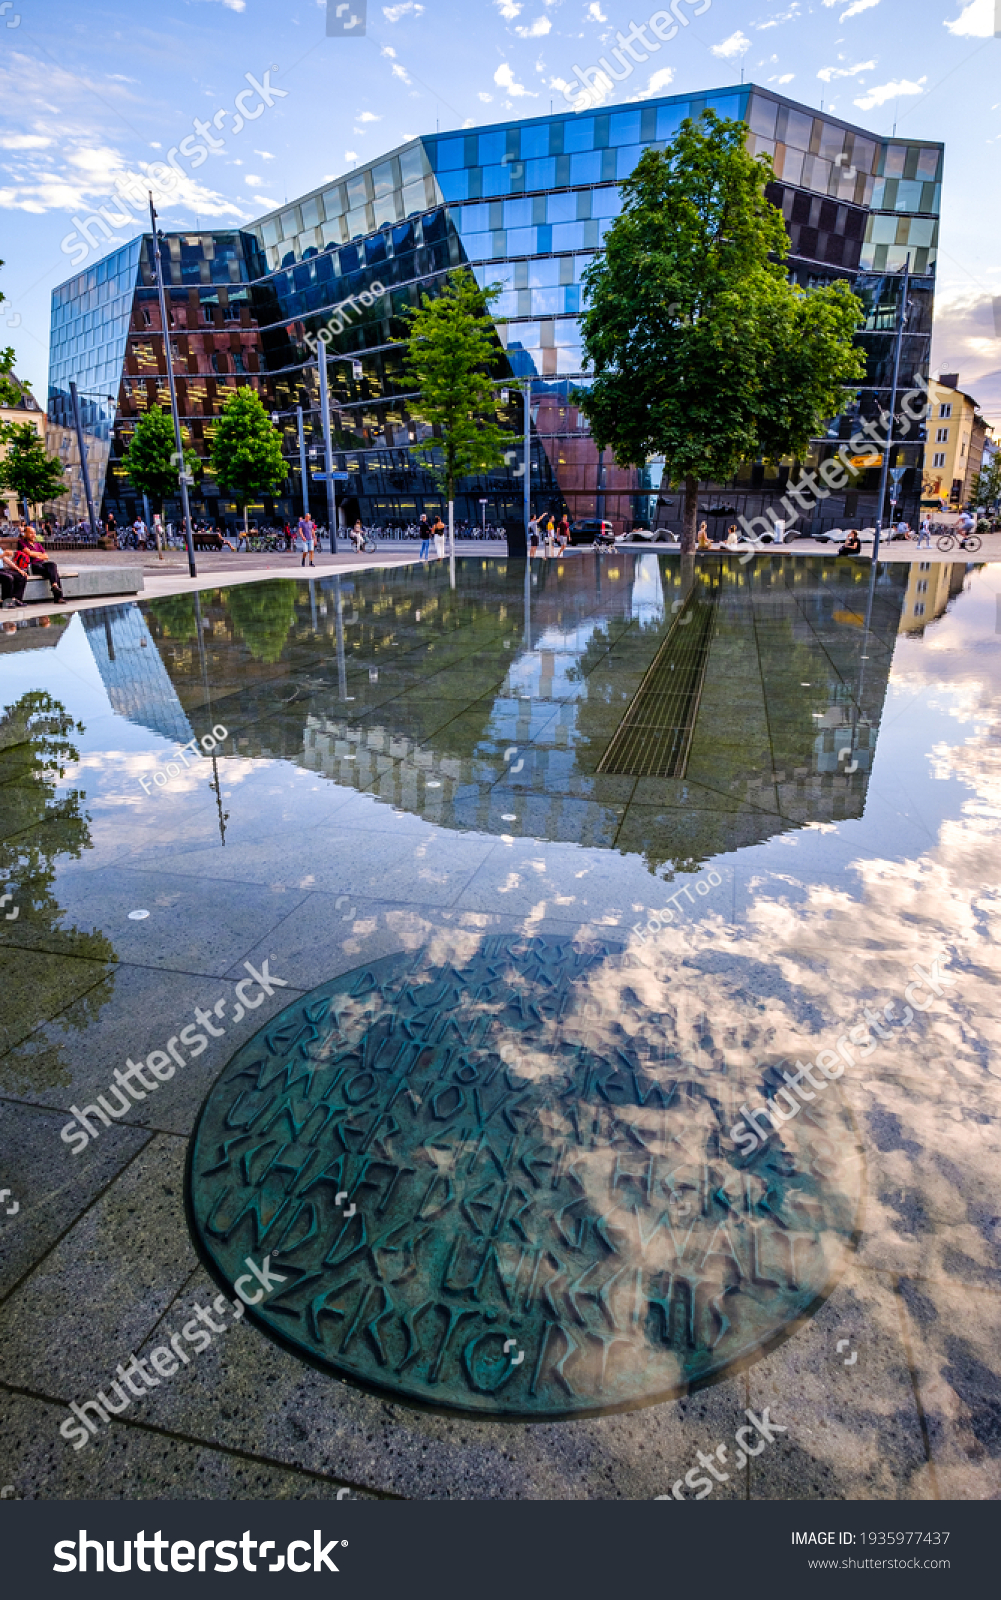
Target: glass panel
x=382, y=179
x=414, y=199
x=799, y=130
x=493, y=147
x=624, y=128
x=585, y=167
x=670, y=118
x=928, y=165
x=792, y=170
x=497, y=180
x=358, y=223
x=568, y=236
x=385, y=210
x=517, y=213
x=535, y=142
x=543, y=273
x=412, y=164
x=527, y=334
x=762, y=116
x=896, y=154
x=540, y=174
x=832, y=141
x=606, y=203
x=521, y=241
x=546, y=302
x=474, y=219
x=627, y=159
x=290, y=223
x=333, y=201
x=561, y=208
x=477, y=245
x=724, y=105
x=908, y=196
x=310, y=212
x=579, y=135
x=450, y=154
x=454, y=185
x=863, y=155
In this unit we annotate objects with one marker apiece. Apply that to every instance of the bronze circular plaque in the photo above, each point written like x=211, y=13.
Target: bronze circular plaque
x=504, y=1184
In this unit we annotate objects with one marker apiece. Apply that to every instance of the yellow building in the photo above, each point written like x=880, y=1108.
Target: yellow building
x=930, y=587
x=955, y=444
x=27, y=410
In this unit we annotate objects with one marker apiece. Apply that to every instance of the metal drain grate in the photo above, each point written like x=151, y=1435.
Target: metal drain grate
x=654, y=738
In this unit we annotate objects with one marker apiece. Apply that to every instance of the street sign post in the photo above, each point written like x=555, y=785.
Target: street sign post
x=330, y=477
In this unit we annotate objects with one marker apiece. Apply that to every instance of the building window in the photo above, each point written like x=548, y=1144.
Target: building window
x=147, y=319
x=945, y=411
x=207, y=314
x=942, y=436
x=218, y=362
x=938, y=459
x=924, y=566
x=232, y=313
x=238, y=365
x=921, y=587
x=919, y=610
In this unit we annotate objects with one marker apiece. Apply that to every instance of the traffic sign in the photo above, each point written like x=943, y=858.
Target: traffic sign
x=330, y=477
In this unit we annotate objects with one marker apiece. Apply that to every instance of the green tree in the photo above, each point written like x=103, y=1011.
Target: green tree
x=452, y=351
x=262, y=615
x=26, y=469
x=703, y=352
x=151, y=458
x=986, y=489
x=246, y=450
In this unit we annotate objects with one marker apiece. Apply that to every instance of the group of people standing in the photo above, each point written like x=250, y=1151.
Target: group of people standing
x=545, y=533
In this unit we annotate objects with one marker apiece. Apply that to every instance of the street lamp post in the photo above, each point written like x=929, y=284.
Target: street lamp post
x=885, y=471
x=483, y=503
x=328, y=464
x=168, y=355
x=302, y=463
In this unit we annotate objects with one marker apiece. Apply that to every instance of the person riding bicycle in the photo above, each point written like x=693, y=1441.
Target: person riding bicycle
x=357, y=537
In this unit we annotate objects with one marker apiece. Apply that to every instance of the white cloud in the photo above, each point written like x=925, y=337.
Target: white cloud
x=890, y=91
x=253, y=181
x=509, y=9
x=537, y=30
x=235, y=5
x=351, y=155
x=786, y=77
x=119, y=77
x=486, y=98
x=857, y=7
x=658, y=83
x=155, y=144
x=387, y=50
x=976, y=20
x=733, y=48
x=792, y=15
x=595, y=13
x=369, y=116
x=25, y=141
x=401, y=72
x=265, y=155
x=505, y=79
x=394, y=13
x=828, y=74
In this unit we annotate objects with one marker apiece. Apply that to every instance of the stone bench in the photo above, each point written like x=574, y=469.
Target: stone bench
x=87, y=581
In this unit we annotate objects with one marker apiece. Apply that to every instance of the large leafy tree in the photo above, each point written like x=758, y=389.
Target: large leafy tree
x=452, y=352
x=987, y=485
x=26, y=468
x=151, y=458
x=246, y=450
x=703, y=352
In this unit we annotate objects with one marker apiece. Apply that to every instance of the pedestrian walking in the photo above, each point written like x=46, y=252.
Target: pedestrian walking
x=924, y=534
x=533, y=536
x=425, y=533
x=307, y=533
x=563, y=532
x=30, y=556
x=439, y=537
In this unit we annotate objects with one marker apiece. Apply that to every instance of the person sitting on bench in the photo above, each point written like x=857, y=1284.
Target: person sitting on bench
x=852, y=545
x=12, y=581
x=30, y=557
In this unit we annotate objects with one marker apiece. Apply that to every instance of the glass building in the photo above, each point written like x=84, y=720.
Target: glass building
x=526, y=206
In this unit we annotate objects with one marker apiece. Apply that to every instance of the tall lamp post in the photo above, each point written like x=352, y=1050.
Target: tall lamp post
x=885, y=472
x=84, y=471
x=168, y=356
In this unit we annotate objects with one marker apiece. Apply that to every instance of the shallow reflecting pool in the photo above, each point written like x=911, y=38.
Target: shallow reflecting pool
x=490, y=1037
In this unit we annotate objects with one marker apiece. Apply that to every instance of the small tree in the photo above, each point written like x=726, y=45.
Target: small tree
x=26, y=469
x=246, y=455
x=151, y=458
x=452, y=349
x=702, y=350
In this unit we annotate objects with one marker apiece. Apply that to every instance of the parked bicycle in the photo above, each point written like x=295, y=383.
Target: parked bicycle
x=266, y=542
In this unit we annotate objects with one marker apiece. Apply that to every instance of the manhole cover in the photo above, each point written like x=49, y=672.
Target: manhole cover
x=504, y=1185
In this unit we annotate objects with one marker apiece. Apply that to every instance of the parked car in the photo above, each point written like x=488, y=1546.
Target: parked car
x=642, y=535
x=592, y=530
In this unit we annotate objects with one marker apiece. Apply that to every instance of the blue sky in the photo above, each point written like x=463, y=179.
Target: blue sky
x=90, y=94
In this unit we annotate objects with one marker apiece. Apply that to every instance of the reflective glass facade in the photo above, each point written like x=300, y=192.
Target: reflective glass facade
x=526, y=206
